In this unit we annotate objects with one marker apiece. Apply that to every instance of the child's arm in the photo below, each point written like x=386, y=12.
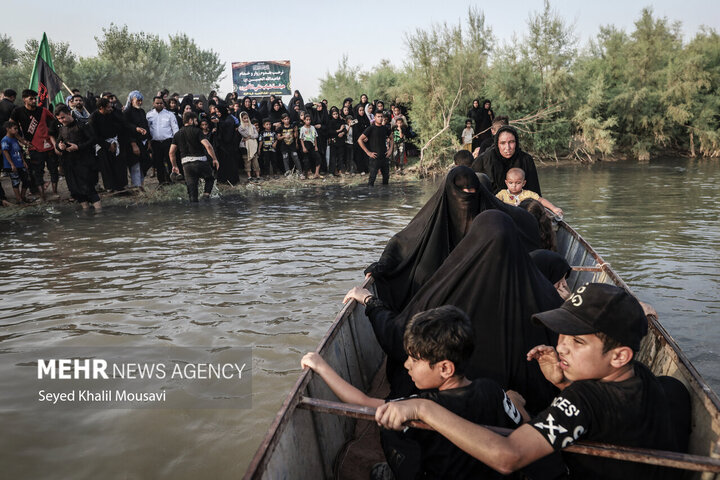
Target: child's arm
x=344, y=390
x=9, y=160
x=546, y=203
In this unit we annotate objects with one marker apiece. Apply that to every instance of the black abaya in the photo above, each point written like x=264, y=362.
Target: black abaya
x=413, y=254
x=490, y=276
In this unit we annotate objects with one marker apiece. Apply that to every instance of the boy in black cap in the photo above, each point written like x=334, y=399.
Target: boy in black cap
x=606, y=395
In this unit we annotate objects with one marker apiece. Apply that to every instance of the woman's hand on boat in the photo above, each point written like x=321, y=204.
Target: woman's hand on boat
x=358, y=294
x=393, y=415
x=313, y=361
x=549, y=363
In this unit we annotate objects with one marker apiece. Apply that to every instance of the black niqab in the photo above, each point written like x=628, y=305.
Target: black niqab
x=416, y=252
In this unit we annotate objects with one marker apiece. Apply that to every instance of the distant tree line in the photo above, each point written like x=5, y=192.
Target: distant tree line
x=125, y=61
x=631, y=94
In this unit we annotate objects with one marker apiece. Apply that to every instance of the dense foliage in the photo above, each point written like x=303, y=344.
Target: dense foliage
x=636, y=94
x=125, y=61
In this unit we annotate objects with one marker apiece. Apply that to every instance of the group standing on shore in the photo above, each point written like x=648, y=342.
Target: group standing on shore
x=262, y=137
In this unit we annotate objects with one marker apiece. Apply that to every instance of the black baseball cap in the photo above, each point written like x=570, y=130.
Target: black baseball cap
x=599, y=307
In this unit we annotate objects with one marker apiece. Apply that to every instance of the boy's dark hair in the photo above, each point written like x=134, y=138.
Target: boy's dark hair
x=266, y=120
x=158, y=96
x=501, y=120
x=28, y=93
x=442, y=333
x=610, y=343
x=284, y=115
x=77, y=95
x=9, y=124
x=187, y=116
x=62, y=109
x=103, y=103
x=380, y=112
x=463, y=157
x=9, y=92
x=349, y=117
x=468, y=120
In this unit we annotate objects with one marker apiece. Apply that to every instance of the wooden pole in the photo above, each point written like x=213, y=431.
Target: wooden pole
x=662, y=458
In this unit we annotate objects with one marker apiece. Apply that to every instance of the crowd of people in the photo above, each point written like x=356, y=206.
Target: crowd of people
x=261, y=137
x=473, y=310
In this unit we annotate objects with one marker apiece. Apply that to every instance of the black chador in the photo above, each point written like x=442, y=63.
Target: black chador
x=490, y=276
x=227, y=148
x=417, y=251
x=498, y=165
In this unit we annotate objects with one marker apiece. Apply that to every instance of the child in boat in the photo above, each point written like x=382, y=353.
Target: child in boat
x=439, y=343
x=606, y=396
x=514, y=193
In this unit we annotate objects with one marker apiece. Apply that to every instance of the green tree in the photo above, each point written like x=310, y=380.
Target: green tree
x=195, y=70
x=343, y=83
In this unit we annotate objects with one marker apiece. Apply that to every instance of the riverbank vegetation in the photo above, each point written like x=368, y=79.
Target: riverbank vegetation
x=626, y=94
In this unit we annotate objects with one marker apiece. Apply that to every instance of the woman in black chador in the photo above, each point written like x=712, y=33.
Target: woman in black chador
x=413, y=254
x=490, y=276
x=507, y=154
x=475, y=114
x=416, y=252
x=227, y=148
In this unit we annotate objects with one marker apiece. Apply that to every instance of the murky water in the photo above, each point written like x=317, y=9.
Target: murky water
x=270, y=273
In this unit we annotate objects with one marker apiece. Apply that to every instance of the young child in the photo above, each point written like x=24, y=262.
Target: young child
x=349, y=145
x=249, y=141
x=399, y=135
x=268, y=145
x=14, y=163
x=288, y=147
x=308, y=139
x=439, y=343
x=514, y=194
x=606, y=395
x=467, y=136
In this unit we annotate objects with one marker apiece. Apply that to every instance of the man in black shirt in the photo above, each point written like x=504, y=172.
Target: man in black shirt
x=606, y=396
x=376, y=137
x=192, y=146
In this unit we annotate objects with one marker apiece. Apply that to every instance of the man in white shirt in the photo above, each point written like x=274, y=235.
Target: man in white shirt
x=163, y=126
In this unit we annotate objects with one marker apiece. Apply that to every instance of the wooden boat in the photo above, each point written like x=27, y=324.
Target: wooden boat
x=303, y=444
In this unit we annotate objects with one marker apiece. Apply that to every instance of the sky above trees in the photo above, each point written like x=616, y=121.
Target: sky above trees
x=316, y=35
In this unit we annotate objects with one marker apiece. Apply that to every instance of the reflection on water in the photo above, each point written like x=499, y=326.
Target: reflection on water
x=270, y=273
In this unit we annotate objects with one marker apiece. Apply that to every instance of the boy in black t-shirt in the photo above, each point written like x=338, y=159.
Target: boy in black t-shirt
x=376, y=138
x=268, y=145
x=606, y=396
x=287, y=143
x=439, y=343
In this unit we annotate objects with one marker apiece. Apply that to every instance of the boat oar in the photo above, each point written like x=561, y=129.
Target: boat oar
x=632, y=454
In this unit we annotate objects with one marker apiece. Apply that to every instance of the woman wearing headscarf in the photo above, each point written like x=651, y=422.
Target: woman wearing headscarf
x=475, y=114
x=320, y=120
x=361, y=159
x=296, y=96
x=276, y=113
x=416, y=252
x=507, y=154
x=247, y=107
x=227, y=147
x=137, y=157
x=485, y=120
x=490, y=276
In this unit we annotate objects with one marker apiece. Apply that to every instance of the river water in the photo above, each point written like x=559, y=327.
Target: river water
x=270, y=273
